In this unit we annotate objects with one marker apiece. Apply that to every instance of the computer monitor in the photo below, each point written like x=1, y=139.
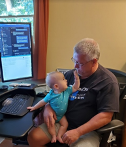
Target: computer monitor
x=16, y=51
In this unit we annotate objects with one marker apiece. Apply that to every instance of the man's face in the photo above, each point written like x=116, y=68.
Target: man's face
x=83, y=67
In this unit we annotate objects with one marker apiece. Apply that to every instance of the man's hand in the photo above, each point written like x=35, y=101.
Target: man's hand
x=70, y=136
x=49, y=116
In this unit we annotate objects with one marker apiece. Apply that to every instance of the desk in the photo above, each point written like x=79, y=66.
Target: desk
x=24, y=81
x=12, y=126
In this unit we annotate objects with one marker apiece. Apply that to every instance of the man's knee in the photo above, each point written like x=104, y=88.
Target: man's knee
x=33, y=136
x=38, y=137
x=91, y=139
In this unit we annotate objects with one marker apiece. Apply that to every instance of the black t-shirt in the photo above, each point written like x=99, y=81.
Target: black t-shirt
x=97, y=93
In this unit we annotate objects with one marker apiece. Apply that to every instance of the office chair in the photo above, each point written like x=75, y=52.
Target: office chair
x=121, y=76
x=105, y=131
x=117, y=73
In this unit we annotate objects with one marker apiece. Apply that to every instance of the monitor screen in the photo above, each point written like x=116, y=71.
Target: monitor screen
x=16, y=51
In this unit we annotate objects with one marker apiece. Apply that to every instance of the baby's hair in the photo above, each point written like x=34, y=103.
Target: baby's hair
x=51, y=79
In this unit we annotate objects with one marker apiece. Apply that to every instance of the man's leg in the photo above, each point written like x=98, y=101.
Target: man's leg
x=37, y=138
x=40, y=136
x=91, y=139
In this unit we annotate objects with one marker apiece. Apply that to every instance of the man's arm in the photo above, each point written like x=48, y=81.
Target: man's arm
x=49, y=115
x=94, y=123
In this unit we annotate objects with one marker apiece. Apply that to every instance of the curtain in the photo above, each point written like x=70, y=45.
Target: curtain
x=41, y=16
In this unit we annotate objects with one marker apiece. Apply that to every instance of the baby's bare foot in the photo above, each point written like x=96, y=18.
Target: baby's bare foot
x=59, y=139
x=53, y=139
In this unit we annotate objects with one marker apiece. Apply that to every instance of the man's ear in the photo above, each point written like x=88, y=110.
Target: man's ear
x=56, y=86
x=94, y=61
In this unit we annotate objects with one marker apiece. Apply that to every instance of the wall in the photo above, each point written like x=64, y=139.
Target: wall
x=72, y=20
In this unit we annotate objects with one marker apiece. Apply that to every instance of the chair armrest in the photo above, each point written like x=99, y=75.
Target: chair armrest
x=114, y=124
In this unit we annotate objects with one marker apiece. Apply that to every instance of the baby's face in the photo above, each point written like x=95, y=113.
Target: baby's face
x=62, y=82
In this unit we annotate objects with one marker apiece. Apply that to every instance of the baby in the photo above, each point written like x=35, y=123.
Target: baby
x=58, y=100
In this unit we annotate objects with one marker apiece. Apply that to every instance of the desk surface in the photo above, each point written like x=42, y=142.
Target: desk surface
x=24, y=81
x=17, y=126
x=13, y=126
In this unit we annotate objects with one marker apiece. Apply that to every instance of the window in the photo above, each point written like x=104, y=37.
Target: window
x=17, y=11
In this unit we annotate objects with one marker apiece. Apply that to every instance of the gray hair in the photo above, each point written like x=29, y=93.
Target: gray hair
x=88, y=47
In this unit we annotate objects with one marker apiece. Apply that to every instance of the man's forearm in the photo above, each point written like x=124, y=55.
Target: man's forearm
x=96, y=122
x=49, y=115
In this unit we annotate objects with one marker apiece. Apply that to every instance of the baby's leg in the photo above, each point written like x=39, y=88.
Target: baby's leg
x=64, y=124
x=53, y=133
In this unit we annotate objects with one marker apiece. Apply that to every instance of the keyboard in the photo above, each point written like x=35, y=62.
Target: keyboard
x=18, y=105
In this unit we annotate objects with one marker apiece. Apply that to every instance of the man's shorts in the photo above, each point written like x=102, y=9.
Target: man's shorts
x=45, y=129
x=91, y=139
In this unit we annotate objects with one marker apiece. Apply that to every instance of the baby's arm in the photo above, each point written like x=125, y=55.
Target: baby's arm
x=38, y=105
x=76, y=84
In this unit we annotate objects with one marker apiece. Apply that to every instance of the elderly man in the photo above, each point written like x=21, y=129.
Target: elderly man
x=90, y=108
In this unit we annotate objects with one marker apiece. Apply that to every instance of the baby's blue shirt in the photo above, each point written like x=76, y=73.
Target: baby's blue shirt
x=58, y=102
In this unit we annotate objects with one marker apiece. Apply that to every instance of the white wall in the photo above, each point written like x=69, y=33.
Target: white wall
x=72, y=20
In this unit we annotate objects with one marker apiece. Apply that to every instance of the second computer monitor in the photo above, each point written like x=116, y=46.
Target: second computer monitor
x=16, y=51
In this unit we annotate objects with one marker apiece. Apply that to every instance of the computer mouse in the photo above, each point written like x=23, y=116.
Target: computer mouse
x=41, y=94
x=7, y=101
x=3, y=87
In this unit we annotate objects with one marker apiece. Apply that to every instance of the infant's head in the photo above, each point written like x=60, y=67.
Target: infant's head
x=56, y=81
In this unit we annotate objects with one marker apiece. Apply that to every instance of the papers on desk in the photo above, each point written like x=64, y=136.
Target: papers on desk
x=13, y=84
x=42, y=88
x=19, y=84
x=39, y=85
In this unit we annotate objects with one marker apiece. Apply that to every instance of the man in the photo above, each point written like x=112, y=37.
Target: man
x=91, y=107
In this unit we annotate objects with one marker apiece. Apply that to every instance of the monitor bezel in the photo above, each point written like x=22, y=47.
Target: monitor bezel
x=1, y=68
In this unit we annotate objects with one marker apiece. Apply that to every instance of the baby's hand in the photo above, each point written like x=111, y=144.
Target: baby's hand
x=76, y=75
x=31, y=108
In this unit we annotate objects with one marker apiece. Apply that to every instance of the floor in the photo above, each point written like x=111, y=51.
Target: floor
x=8, y=143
